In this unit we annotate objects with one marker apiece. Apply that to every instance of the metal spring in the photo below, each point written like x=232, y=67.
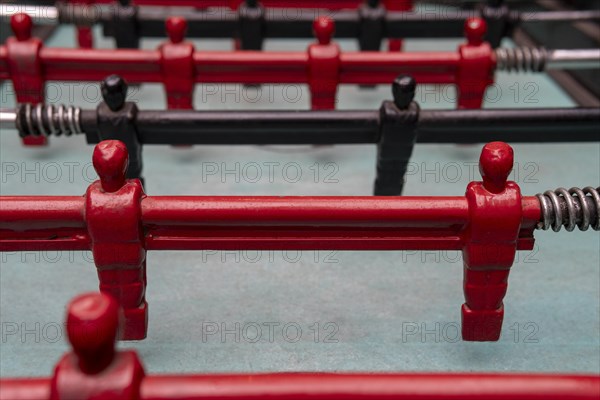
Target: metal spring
x=575, y=207
x=47, y=120
x=525, y=59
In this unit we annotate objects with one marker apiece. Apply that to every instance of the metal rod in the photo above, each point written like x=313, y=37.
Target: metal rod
x=8, y=118
x=554, y=16
x=277, y=19
x=538, y=59
x=348, y=127
x=43, y=15
x=322, y=127
x=510, y=125
x=573, y=59
x=259, y=127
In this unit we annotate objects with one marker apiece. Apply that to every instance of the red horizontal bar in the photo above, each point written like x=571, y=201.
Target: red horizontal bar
x=321, y=386
x=361, y=240
x=251, y=67
x=25, y=389
x=304, y=223
x=141, y=66
x=136, y=66
x=371, y=212
x=425, y=67
x=365, y=386
x=21, y=213
x=37, y=223
x=56, y=240
x=258, y=223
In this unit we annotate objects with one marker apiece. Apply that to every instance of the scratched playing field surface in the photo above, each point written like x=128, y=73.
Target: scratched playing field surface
x=373, y=311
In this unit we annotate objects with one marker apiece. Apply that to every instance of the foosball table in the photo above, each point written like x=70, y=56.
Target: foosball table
x=339, y=199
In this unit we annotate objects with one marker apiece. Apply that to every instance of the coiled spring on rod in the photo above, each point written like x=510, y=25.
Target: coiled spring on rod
x=526, y=59
x=48, y=120
x=570, y=208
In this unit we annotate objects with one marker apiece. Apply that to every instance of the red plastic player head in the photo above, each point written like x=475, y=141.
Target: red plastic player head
x=21, y=25
x=176, y=28
x=93, y=321
x=475, y=30
x=495, y=164
x=324, y=27
x=110, y=161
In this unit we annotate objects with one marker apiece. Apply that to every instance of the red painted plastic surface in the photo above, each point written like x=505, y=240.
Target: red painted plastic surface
x=477, y=66
x=322, y=386
x=112, y=213
x=94, y=370
x=85, y=37
x=120, y=224
x=24, y=67
x=403, y=5
x=177, y=59
x=323, y=66
x=489, y=253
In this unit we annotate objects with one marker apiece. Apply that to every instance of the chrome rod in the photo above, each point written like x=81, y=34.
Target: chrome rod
x=573, y=59
x=8, y=118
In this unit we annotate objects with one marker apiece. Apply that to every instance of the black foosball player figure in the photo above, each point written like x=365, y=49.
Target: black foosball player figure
x=125, y=25
x=399, y=120
x=116, y=120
